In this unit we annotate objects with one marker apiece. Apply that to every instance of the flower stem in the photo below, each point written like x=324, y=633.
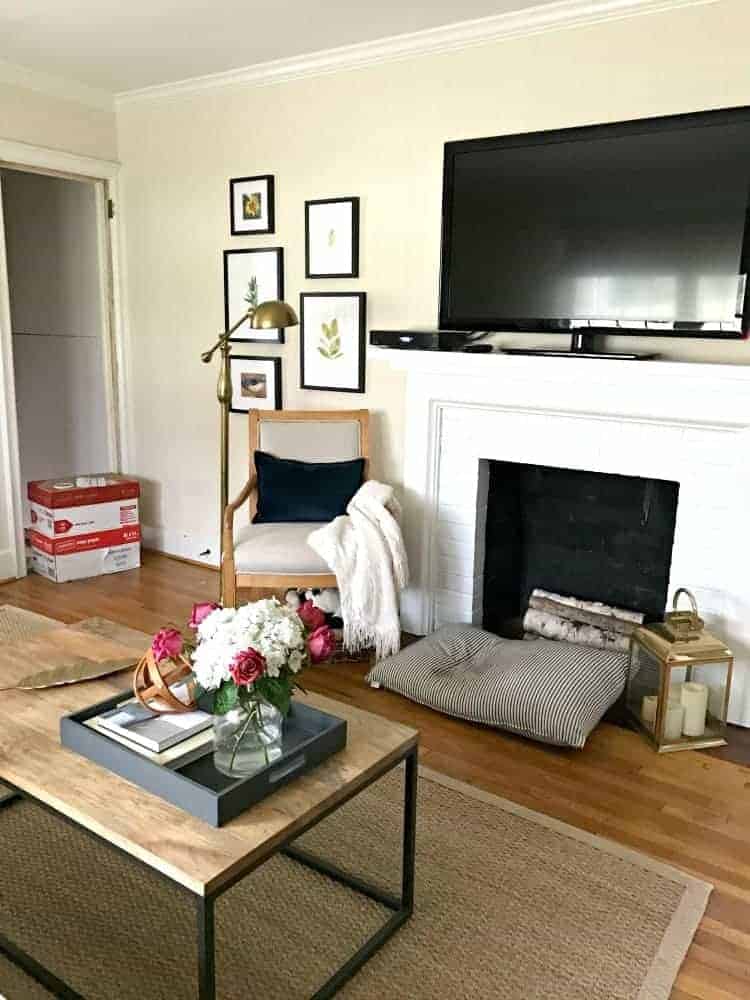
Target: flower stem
x=255, y=717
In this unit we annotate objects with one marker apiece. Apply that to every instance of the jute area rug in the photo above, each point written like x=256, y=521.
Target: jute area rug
x=510, y=905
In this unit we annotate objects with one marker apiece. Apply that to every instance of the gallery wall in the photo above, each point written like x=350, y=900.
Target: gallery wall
x=377, y=133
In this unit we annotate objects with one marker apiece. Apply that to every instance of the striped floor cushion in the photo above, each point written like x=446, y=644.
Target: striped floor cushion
x=555, y=692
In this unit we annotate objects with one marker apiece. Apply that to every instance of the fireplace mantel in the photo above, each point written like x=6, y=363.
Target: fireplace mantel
x=665, y=420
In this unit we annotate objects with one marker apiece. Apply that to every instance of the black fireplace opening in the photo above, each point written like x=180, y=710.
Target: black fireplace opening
x=591, y=535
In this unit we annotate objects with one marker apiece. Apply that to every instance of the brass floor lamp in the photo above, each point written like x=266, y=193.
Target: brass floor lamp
x=269, y=315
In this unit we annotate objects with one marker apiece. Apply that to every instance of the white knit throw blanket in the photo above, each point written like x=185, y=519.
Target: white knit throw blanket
x=365, y=549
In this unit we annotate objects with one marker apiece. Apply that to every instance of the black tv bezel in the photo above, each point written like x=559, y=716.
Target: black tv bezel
x=638, y=126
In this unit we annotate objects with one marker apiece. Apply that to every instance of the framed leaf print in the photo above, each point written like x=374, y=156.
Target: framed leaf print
x=332, y=341
x=251, y=277
x=332, y=238
x=251, y=205
x=256, y=383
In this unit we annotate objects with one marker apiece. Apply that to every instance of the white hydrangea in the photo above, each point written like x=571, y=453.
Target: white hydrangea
x=272, y=628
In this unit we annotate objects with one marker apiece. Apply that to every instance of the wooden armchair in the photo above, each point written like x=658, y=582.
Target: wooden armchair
x=277, y=555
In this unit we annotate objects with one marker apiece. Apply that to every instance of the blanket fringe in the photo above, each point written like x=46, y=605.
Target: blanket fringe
x=386, y=641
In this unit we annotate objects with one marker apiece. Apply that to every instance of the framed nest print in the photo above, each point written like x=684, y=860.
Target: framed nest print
x=251, y=277
x=256, y=383
x=251, y=205
x=332, y=238
x=332, y=341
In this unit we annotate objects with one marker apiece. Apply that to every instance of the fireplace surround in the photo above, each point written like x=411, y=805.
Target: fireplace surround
x=687, y=424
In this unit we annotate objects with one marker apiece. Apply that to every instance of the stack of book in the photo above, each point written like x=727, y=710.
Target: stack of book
x=163, y=739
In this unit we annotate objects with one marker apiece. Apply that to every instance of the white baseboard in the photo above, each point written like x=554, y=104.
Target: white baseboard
x=182, y=544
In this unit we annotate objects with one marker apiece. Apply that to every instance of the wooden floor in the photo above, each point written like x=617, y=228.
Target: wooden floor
x=689, y=809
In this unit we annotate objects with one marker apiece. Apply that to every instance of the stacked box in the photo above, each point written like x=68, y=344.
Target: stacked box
x=84, y=526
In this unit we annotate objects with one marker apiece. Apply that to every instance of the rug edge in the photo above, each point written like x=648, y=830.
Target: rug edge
x=676, y=942
x=593, y=839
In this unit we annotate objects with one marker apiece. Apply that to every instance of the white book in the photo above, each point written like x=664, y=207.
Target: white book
x=148, y=729
x=173, y=754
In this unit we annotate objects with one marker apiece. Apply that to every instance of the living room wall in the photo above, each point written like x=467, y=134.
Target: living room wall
x=377, y=133
x=41, y=119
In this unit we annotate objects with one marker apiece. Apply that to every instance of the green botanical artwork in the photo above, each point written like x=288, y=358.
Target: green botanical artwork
x=332, y=238
x=251, y=295
x=330, y=341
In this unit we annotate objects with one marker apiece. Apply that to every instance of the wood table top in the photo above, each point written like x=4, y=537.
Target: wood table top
x=169, y=840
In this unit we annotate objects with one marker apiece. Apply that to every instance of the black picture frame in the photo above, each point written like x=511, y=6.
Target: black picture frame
x=234, y=182
x=354, y=271
x=228, y=255
x=274, y=362
x=361, y=298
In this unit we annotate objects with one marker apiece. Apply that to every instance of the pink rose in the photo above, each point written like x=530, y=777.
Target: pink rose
x=247, y=667
x=166, y=644
x=321, y=644
x=201, y=611
x=312, y=617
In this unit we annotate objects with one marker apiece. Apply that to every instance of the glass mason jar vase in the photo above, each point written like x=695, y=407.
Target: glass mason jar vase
x=247, y=738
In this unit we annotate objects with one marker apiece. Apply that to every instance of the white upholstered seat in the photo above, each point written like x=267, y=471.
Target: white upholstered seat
x=277, y=548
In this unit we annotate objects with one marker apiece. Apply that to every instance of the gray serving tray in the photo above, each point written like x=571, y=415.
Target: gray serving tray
x=192, y=782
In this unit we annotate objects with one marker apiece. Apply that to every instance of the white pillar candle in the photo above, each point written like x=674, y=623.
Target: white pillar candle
x=648, y=711
x=695, y=703
x=673, y=721
x=675, y=692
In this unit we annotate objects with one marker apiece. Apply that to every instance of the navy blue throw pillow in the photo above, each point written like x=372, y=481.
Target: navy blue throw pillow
x=304, y=491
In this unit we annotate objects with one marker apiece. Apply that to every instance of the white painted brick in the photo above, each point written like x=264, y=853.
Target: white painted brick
x=689, y=424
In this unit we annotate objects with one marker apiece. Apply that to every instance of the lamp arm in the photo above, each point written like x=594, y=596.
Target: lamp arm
x=224, y=337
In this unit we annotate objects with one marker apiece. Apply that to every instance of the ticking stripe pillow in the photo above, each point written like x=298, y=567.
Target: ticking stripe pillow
x=555, y=692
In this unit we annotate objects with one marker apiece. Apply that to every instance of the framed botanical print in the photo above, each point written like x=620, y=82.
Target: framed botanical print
x=256, y=383
x=250, y=277
x=332, y=238
x=332, y=341
x=251, y=205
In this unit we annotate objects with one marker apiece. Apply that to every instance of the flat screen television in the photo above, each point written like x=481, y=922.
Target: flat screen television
x=636, y=228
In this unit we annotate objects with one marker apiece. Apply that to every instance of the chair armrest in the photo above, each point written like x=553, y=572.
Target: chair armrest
x=247, y=490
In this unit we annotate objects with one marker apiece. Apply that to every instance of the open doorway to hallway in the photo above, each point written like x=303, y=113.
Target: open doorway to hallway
x=59, y=355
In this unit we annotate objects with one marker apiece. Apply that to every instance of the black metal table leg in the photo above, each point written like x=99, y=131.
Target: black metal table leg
x=37, y=971
x=206, y=949
x=402, y=906
x=410, y=832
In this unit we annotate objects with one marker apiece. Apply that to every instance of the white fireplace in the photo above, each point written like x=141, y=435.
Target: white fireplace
x=682, y=422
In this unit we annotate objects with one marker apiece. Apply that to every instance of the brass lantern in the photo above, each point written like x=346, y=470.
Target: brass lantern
x=679, y=678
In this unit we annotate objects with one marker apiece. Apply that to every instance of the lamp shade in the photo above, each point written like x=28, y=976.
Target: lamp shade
x=272, y=315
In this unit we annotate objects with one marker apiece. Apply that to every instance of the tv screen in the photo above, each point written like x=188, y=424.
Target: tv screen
x=638, y=228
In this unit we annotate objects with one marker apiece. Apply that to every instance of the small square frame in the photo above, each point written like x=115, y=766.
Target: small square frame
x=234, y=184
x=252, y=404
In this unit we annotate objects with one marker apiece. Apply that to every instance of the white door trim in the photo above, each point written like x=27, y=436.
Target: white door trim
x=60, y=163
x=12, y=555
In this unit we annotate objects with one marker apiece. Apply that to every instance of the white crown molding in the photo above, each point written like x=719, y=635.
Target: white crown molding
x=544, y=17
x=55, y=86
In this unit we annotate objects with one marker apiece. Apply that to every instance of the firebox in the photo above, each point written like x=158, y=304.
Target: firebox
x=592, y=535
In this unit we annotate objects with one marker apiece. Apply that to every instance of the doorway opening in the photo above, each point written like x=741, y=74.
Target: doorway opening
x=59, y=357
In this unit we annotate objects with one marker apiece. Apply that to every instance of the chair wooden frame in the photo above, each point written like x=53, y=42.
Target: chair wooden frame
x=231, y=580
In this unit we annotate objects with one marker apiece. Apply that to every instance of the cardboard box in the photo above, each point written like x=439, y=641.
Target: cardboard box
x=84, y=527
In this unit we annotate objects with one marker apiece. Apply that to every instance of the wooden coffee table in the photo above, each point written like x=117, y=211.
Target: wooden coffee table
x=196, y=859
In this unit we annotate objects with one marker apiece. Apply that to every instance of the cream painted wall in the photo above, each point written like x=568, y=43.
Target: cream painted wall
x=37, y=118
x=377, y=133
